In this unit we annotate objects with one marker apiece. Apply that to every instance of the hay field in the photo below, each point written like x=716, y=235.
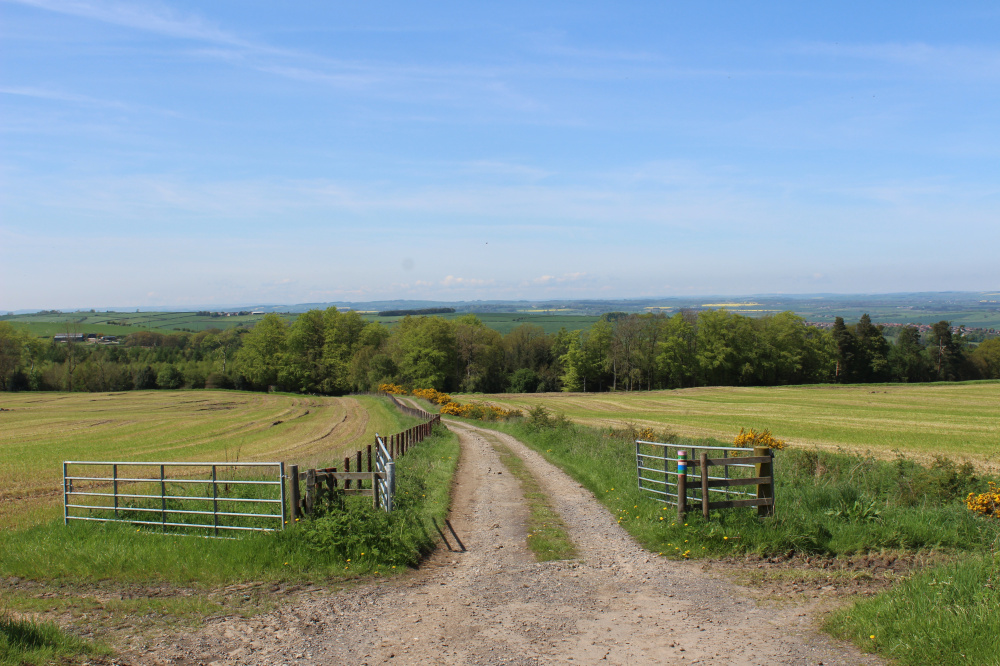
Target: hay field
x=960, y=420
x=40, y=430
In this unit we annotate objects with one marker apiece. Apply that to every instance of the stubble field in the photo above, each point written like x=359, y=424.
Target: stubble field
x=38, y=431
x=959, y=420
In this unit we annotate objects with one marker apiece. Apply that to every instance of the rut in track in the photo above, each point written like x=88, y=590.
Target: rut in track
x=493, y=604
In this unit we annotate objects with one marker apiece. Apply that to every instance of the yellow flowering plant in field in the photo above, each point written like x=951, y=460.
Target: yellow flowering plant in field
x=432, y=395
x=752, y=439
x=392, y=389
x=479, y=411
x=987, y=503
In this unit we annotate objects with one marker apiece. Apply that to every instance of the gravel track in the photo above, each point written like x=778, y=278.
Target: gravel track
x=493, y=604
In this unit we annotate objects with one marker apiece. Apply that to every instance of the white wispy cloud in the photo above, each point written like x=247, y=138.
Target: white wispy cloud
x=954, y=60
x=156, y=18
x=453, y=281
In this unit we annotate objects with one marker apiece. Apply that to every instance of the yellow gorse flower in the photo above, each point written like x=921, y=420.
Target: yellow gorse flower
x=987, y=503
x=753, y=439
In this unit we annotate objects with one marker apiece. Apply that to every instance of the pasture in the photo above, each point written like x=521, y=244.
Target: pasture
x=40, y=430
x=959, y=420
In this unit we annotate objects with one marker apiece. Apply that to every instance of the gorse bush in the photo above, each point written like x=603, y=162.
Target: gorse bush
x=987, y=503
x=631, y=432
x=479, y=411
x=752, y=439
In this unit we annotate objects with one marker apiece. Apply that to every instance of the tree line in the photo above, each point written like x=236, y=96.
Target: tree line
x=334, y=353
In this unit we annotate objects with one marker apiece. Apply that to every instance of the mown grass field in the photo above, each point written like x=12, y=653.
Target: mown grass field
x=960, y=420
x=38, y=431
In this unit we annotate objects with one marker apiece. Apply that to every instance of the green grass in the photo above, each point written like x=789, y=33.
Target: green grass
x=547, y=536
x=41, y=430
x=949, y=614
x=960, y=420
x=24, y=642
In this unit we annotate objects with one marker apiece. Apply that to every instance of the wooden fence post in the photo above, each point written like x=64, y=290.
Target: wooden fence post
x=682, y=470
x=765, y=490
x=310, y=490
x=347, y=468
x=293, y=491
x=357, y=464
x=704, y=485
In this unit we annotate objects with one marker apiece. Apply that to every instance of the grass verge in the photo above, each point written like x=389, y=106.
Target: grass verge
x=944, y=615
x=833, y=505
x=547, y=536
x=24, y=642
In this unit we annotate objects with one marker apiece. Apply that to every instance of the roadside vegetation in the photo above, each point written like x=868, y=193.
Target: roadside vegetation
x=25, y=642
x=831, y=507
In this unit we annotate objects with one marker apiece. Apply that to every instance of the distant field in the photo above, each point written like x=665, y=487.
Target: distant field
x=113, y=323
x=960, y=420
x=123, y=323
x=505, y=322
x=41, y=430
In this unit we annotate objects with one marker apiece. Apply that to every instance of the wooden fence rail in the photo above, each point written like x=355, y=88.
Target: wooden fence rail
x=763, y=460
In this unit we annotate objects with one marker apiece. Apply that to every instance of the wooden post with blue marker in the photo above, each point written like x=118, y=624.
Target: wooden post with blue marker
x=682, y=470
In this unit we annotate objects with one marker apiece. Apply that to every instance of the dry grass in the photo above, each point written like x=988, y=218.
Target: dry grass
x=41, y=430
x=960, y=420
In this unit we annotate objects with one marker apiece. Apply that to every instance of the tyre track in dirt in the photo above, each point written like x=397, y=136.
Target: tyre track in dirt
x=493, y=604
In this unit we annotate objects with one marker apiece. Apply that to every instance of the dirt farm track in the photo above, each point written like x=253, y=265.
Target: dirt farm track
x=493, y=604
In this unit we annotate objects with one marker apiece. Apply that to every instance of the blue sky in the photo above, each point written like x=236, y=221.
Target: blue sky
x=179, y=153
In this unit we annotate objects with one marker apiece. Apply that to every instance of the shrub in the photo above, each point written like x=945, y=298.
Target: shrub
x=752, y=439
x=432, y=395
x=987, y=503
x=392, y=389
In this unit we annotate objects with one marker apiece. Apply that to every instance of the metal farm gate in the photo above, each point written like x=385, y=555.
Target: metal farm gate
x=180, y=496
x=664, y=471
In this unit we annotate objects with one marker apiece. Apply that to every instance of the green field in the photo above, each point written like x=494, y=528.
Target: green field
x=38, y=431
x=123, y=323
x=505, y=322
x=960, y=420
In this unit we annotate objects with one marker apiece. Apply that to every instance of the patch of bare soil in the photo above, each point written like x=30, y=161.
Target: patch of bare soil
x=491, y=603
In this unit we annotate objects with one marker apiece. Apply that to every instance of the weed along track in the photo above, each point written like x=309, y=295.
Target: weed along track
x=489, y=601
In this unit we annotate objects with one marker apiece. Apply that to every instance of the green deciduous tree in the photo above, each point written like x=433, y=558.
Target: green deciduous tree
x=261, y=357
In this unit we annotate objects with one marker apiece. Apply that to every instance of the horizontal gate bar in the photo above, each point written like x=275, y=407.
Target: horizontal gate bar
x=158, y=524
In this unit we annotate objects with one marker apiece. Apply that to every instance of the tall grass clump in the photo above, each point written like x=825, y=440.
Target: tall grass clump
x=949, y=614
x=24, y=642
x=351, y=539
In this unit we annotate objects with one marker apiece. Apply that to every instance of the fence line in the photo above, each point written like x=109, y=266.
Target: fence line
x=377, y=481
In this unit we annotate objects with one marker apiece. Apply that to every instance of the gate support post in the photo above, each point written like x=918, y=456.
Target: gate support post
x=704, y=485
x=765, y=490
x=293, y=488
x=682, y=470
